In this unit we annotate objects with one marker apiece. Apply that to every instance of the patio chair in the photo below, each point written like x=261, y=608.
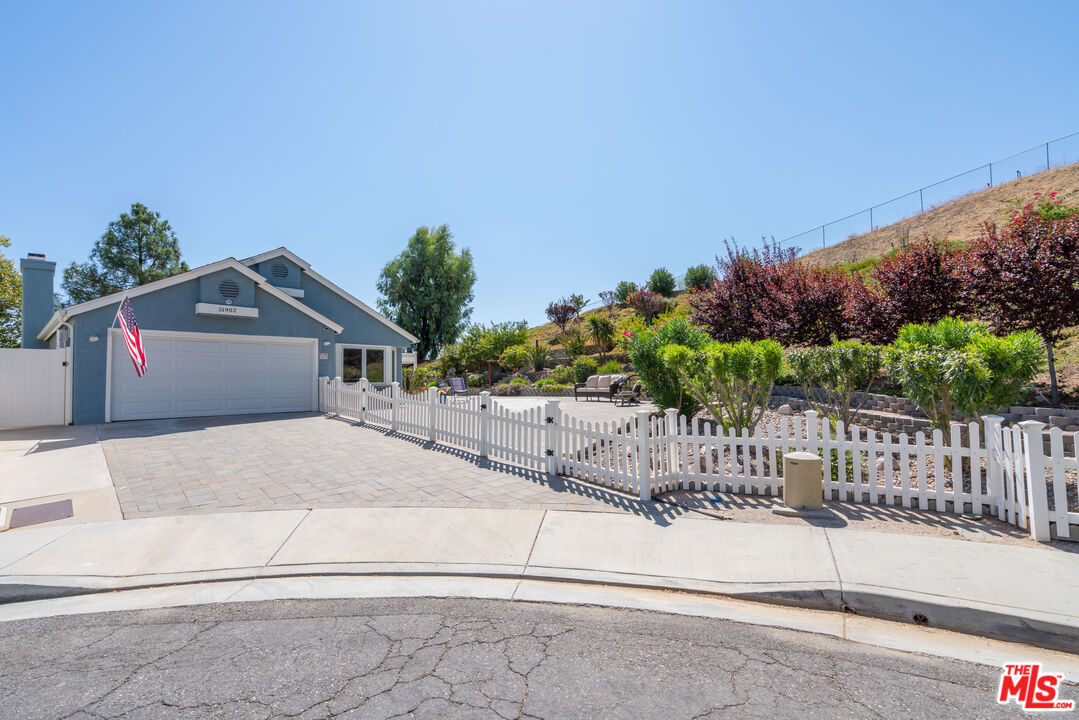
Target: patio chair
x=452, y=387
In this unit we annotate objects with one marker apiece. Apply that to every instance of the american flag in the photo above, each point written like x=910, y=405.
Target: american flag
x=132, y=336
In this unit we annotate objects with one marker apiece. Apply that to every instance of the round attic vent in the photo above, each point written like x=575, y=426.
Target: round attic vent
x=228, y=289
x=280, y=270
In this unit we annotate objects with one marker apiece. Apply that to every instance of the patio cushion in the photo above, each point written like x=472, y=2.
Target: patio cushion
x=592, y=382
x=604, y=382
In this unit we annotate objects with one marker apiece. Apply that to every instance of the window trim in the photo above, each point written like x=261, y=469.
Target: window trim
x=390, y=362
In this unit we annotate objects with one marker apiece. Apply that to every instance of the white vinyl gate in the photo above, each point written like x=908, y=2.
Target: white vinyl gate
x=34, y=387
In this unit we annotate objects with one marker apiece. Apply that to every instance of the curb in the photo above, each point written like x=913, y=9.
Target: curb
x=1039, y=629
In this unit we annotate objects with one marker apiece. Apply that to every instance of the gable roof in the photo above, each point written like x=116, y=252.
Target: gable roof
x=63, y=314
x=306, y=267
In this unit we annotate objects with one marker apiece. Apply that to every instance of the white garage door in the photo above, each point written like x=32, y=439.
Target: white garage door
x=190, y=375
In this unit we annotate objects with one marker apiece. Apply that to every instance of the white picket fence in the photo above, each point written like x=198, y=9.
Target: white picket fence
x=980, y=468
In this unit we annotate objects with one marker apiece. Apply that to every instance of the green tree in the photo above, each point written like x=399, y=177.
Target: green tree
x=427, y=289
x=644, y=346
x=696, y=276
x=662, y=282
x=515, y=357
x=138, y=248
x=10, y=300
x=952, y=367
x=623, y=290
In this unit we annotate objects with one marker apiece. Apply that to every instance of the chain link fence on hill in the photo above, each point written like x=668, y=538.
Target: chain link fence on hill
x=1049, y=155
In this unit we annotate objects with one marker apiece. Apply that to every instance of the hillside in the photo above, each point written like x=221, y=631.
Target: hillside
x=956, y=220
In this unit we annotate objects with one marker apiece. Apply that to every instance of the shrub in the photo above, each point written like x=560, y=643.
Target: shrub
x=647, y=304
x=560, y=312
x=623, y=290
x=418, y=379
x=508, y=389
x=515, y=357
x=555, y=389
x=697, y=276
x=518, y=380
x=921, y=283
x=662, y=282
x=449, y=359
x=725, y=307
x=830, y=376
x=769, y=294
x=955, y=367
x=563, y=375
x=475, y=380
x=601, y=328
x=584, y=367
x=539, y=355
x=481, y=344
x=1027, y=277
x=611, y=367
x=733, y=381
x=644, y=347
x=574, y=343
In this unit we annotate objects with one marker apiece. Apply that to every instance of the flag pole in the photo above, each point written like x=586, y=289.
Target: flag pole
x=117, y=314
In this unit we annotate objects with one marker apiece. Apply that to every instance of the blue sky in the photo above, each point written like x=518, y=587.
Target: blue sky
x=569, y=145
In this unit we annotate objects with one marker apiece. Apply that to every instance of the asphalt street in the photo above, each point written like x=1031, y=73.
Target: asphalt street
x=427, y=658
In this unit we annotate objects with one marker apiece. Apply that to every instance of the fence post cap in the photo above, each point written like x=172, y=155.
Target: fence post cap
x=642, y=413
x=811, y=414
x=992, y=418
x=799, y=455
x=337, y=377
x=1032, y=425
x=485, y=393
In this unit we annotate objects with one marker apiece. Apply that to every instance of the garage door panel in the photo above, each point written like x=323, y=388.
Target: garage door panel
x=213, y=376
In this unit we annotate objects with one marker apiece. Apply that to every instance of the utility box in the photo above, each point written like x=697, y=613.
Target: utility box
x=802, y=486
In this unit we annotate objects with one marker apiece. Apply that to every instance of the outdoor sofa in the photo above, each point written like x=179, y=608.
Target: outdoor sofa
x=599, y=386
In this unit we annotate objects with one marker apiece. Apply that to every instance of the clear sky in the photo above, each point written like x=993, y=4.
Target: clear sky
x=569, y=145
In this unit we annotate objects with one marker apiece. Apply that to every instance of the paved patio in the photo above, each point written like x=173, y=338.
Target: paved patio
x=164, y=467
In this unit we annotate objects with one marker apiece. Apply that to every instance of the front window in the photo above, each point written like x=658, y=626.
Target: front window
x=352, y=364
x=375, y=365
x=368, y=362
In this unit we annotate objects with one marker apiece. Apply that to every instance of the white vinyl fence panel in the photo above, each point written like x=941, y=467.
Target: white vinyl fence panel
x=33, y=387
x=977, y=468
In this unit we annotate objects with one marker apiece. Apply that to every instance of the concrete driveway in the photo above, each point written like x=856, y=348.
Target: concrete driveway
x=165, y=467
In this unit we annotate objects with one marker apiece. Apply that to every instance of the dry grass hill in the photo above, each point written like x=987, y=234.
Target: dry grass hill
x=957, y=220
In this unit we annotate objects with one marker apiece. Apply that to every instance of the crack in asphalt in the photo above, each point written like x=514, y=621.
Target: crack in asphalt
x=387, y=659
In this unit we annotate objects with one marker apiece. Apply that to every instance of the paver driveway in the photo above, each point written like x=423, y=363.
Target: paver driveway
x=163, y=467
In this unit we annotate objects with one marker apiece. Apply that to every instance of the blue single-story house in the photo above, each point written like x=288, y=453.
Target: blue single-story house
x=231, y=337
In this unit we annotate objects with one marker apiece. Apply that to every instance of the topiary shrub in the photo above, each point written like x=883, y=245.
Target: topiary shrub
x=584, y=367
x=644, y=346
x=830, y=376
x=956, y=367
x=733, y=381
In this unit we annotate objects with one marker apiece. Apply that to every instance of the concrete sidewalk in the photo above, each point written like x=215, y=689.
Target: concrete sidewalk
x=1019, y=594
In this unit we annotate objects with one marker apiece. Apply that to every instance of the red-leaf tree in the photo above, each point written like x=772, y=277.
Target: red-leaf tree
x=561, y=312
x=725, y=307
x=647, y=304
x=768, y=294
x=920, y=284
x=1026, y=277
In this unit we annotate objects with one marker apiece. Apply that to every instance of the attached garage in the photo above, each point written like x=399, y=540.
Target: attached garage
x=197, y=374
